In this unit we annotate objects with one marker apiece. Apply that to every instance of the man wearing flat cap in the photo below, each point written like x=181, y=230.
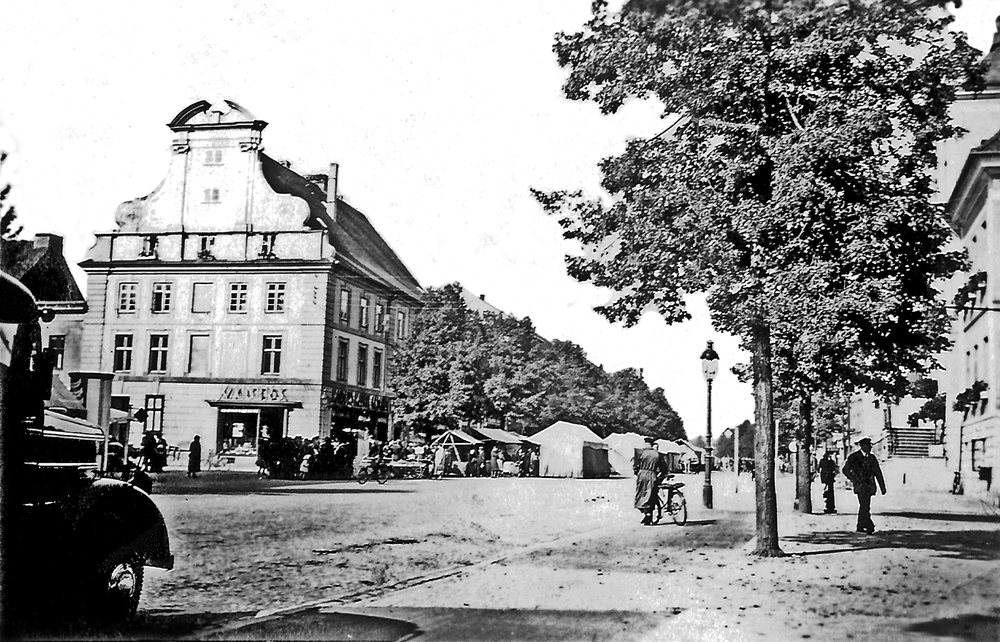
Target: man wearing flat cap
x=863, y=470
x=649, y=468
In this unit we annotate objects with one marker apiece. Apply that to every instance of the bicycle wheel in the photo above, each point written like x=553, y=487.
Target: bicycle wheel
x=661, y=502
x=679, y=509
x=382, y=474
x=362, y=476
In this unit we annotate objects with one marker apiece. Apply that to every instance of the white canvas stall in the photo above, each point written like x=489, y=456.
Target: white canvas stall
x=621, y=451
x=560, y=449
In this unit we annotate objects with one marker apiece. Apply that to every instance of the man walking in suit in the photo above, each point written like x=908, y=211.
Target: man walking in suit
x=863, y=470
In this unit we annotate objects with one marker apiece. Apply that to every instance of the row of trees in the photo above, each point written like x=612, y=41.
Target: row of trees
x=793, y=189
x=464, y=367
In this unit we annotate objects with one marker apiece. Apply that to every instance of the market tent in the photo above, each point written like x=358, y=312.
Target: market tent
x=511, y=444
x=457, y=445
x=454, y=438
x=621, y=451
x=571, y=450
x=502, y=436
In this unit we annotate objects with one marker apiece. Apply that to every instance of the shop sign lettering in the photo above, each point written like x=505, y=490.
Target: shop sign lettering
x=254, y=393
x=357, y=400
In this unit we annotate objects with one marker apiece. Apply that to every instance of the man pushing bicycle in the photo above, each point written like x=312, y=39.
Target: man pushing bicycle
x=650, y=469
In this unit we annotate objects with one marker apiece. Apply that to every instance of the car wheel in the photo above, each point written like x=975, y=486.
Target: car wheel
x=117, y=591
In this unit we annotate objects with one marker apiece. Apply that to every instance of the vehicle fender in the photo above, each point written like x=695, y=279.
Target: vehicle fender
x=117, y=521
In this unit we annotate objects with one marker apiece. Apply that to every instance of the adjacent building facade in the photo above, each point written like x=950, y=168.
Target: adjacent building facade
x=969, y=179
x=40, y=265
x=242, y=299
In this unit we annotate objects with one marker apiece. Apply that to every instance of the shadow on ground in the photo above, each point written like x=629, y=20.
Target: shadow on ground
x=147, y=625
x=970, y=626
x=485, y=625
x=947, y=517
x=983, y=545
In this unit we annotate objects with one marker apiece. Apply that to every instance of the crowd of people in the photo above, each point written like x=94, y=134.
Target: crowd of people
x=154, y=452
x=316, y=458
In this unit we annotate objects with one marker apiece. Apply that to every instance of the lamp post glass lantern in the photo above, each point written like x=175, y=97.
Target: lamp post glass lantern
x=709, y=369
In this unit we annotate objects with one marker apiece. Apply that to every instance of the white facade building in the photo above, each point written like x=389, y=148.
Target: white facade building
x=240, y=298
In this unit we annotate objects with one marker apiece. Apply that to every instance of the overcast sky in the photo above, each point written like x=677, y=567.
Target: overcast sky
x=442, y=115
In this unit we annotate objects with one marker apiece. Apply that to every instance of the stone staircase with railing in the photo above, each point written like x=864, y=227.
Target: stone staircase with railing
x=916, y=461
x=911, y=442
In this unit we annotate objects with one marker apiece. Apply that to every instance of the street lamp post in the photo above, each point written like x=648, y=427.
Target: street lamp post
x=709, y=368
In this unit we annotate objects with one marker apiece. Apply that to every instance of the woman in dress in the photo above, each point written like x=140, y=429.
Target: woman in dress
x=194, y=457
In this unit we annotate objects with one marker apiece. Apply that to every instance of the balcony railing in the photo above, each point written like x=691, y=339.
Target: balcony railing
x=222, y=246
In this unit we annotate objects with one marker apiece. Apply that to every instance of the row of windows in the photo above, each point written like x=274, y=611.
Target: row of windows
x=197, y=356
x=363, y=315
x=201, y=297
x=270, y=356
x=343, y=348
x=274, y=303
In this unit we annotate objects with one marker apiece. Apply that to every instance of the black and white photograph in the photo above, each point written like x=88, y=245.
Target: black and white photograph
x=575, y=320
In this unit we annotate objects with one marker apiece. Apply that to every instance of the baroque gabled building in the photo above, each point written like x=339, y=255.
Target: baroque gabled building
x=241, y=299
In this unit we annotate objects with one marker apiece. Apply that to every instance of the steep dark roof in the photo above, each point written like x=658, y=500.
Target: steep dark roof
x=43, y=270
x=284, y=181
x=359, y=246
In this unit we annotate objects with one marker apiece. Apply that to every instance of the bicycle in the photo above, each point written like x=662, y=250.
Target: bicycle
x=378, y=471
x=670, y=499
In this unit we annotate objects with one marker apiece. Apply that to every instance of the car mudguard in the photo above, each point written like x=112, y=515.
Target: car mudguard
x=115, y=521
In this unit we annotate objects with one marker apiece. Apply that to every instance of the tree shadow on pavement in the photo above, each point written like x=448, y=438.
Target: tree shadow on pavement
x=969, y=626
x=969, y=545
x=357, y=490
x=946, y=517
x=147, y=625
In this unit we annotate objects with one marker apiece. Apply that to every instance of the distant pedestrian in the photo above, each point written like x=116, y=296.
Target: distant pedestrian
x=863, y=470
x=649, y=468
x=439, y=461
x=161, y=454
x=194, y=457
x=827, y=475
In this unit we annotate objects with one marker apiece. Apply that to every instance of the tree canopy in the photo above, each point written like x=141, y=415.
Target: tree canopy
x=793, y=189
x=463, y=367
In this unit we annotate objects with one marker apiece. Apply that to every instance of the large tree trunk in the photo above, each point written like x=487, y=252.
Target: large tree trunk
x=767, y=505
x=803, y=456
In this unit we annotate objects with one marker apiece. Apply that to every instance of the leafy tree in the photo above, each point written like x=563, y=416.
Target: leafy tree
x=793, y=190
x=435, y=372
x=570, y=386
x=460, y=367
x=8, y=231
x=727, y=439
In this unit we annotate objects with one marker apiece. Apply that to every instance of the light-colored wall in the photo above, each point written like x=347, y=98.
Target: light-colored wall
x=245, y=201
x=979, y=115
x=300, y=325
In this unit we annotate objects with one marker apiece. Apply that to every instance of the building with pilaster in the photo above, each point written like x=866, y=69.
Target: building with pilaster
x=241, y=299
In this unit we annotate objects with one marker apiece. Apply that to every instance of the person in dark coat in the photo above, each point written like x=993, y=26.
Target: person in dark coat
x=149, y=451
x=827, y=475
x=161, y=454
x=863, y=470
x=194, y=457
x=650, y=468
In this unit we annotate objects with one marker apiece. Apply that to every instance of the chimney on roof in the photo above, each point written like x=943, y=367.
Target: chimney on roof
x=285, y=163
x=482, y=297
x=332, y=193
x=996, y=36
x=52, y=242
